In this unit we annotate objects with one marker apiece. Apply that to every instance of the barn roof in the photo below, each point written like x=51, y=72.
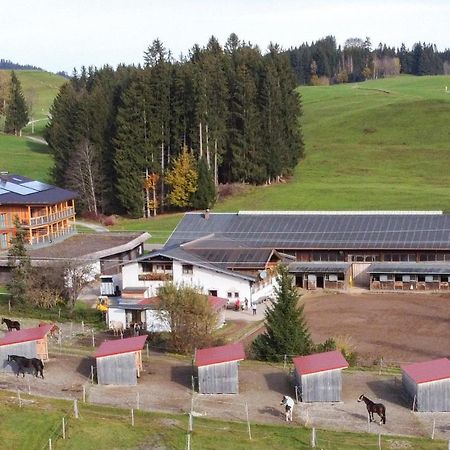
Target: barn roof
x=419, y=230
x=323, y=267
x=424, y=372
x=430, y=268
x=26, y=335
x=222, y=354
x=119, y=346
x=320, y=362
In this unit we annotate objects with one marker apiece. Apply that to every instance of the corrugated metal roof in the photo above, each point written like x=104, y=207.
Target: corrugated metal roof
x=424, y=372
x=26, y=335
x=323, y=266
x=217, y=355
x=118, y=346
x=19, y=190
x=321, y=231
x=433, y=268
x=319, y=362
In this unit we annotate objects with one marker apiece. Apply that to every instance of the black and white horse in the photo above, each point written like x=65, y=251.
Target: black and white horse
x=27, y=363
x=372, y=408
x=11, y=324
x=288, y=403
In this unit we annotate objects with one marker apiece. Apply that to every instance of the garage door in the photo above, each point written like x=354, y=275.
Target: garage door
x=360, y=276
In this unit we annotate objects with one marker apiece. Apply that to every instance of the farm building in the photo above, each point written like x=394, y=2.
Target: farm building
x=144, y=311
x=218, y=369
x=120, y=361
x=326, y=275
x=358, y=238
x=29, y=342
x=319, y=376
x=409, y=276
x=429, y=384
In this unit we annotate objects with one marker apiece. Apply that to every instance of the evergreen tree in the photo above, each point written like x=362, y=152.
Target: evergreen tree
x=20, y=264
x=286, y=330
x=205, y=195
x=16, y=108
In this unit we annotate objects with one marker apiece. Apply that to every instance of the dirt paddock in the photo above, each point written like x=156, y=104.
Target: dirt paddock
x=402, y=328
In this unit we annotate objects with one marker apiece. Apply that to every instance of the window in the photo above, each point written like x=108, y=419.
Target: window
x=187, y=269
x=236, y=294
x=431, y=278
x=332, y=277
x=229, y=294
x=383, y=277
x=2, y=220
x=3, y=240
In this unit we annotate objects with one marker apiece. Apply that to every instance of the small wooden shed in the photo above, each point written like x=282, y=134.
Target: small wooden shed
x=429, y=384
x=120, y=361
x=319, y=376
x=28, y=342
x=218, y=369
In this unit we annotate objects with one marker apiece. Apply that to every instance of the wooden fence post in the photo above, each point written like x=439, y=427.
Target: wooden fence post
x=92, y=374
x=132, y=417
x=75, y=408
x=248, y=422
x=63, y=428
x=93, y=339
x=379, y=441
x=296, y=393
x=49, y=444
x=84, y=393
x=434, y=428
x=313, y=437
x=18, y=397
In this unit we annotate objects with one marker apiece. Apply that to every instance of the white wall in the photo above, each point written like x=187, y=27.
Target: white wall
x=117, y=315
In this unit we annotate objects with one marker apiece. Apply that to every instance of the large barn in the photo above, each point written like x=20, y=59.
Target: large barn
x=29, y=342
x=356, y=238
x=319, y=376
x=218, y=369
x=428, y=384
x=120, y=361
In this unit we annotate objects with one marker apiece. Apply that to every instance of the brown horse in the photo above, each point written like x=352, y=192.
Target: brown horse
x=11, y=324
x=372, y=408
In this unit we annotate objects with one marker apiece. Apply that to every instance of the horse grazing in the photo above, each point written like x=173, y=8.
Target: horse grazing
x=11, y=324
x=288, y=403
x=27, y=363
x=117, y=327
x=372, y=408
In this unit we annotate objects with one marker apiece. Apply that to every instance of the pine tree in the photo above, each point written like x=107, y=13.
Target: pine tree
x=20, y=264
x=182, y=179
x=205, y=195
x=16, y=109
x=286, y=330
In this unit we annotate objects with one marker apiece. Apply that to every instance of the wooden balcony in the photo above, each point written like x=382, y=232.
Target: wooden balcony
x=155, y=276
x=52, y=237
x=54, y=217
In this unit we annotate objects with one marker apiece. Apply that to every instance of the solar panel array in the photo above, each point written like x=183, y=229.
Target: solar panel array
x=318, y=231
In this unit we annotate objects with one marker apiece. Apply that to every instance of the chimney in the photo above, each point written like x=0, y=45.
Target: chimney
x=206, y=214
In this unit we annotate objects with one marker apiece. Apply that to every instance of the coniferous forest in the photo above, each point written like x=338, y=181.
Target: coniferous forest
x=128, y=139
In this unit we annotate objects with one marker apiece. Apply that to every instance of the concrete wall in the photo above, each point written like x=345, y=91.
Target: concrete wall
x=320, y=387
x=27, y=349
x=117, y=369
x=219, y=378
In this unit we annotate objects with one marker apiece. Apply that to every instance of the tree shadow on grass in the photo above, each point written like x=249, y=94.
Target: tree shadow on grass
x=37, y=147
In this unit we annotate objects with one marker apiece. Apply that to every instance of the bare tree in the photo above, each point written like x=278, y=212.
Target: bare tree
x=77, y=275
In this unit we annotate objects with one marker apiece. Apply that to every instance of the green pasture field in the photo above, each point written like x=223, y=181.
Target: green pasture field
x=25, y=157
x=29, y=427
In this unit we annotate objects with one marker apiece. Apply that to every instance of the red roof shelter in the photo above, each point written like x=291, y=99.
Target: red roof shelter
x=428, y=384
x=319, y=376
x=218, y=368
x=28, y=342
x=119, y=361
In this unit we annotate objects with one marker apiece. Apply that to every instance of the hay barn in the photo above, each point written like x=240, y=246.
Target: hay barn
x=218, y=369
x=428, y=384
x=29, y=342
x=120, y=361
x=319, y=376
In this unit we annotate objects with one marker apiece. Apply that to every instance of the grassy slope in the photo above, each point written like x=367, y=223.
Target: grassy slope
x=368, y=149
x=31, y=426
x=21, y=155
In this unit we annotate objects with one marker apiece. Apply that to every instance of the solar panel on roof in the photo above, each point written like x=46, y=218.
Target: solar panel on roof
x=18, y=189
x=36, y=185
x=2, y=191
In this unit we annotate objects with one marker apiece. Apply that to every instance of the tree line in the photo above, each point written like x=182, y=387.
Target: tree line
x=120, y=137
x=324, y=62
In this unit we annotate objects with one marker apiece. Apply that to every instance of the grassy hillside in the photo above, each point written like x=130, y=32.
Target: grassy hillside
x=382, y=144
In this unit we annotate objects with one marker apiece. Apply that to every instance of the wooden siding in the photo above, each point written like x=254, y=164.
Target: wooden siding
x=433, y=396
x=27, y=349
x=219, y=378
x=392, y=285
x=320, y=387
x=118, y=369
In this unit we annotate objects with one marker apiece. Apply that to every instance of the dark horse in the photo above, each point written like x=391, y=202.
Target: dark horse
x=11, y=324
x=372, y=407
x=27, y=363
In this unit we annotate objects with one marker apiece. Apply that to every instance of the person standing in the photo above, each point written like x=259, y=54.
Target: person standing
x=254, y=308
x=246, y=303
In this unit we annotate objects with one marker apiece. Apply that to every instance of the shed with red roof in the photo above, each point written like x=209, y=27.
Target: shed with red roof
x=428, y=384
x=119, y=361
x=218, y=369
x=319, y=376
x=28, y=342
